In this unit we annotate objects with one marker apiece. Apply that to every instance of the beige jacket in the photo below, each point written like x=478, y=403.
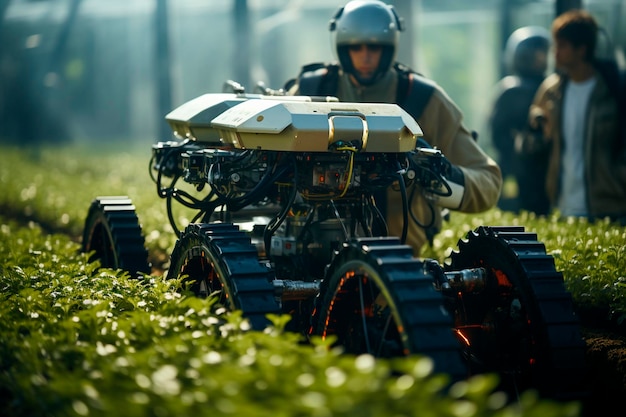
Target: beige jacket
x=605, y=163
x=441, y=122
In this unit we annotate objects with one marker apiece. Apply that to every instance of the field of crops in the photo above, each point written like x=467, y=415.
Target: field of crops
x=54, y=187
x=80, y=341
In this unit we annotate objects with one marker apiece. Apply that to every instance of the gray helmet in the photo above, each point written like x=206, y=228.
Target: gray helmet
x=366, y=22
x=526, y=51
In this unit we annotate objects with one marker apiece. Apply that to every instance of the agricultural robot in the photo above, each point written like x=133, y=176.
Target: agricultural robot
x=287, y=222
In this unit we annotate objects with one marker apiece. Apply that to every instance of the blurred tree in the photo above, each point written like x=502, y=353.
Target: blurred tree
x=4, y=4
x=564, y=5
x=31, y=108
x=163, y=83
x=408, y=40
x=241, y=29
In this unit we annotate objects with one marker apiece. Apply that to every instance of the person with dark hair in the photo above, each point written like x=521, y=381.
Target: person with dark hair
x=526, y=59
x=366, y=34
x=579, y=116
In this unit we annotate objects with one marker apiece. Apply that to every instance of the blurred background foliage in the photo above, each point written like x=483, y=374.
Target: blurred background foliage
x=89, y=70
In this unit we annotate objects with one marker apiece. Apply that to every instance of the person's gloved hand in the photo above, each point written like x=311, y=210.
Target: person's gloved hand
x=452, y=172
x=455, y=179
x=450, y=194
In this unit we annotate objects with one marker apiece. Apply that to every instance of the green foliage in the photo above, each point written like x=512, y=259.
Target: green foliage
x=591, y=255
x=54, y=187
x=78, y=341
x=595, y=264
x=75, y=340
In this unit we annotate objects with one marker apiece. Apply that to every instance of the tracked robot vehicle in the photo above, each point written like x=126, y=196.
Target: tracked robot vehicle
x=288, y=223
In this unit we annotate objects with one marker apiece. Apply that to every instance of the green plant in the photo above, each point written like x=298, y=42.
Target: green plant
x=78, y=341
x=54, y=187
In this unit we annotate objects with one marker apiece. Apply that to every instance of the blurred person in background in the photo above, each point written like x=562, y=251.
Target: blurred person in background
x=577, y=108
x=365, y=35
x=526, y=60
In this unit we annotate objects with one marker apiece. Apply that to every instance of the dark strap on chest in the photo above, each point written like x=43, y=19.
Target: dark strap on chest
x=319, y=79
x=414, y=91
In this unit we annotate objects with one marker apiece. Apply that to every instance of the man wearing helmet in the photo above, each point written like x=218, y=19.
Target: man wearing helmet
x=526, y=59
x=366, y=35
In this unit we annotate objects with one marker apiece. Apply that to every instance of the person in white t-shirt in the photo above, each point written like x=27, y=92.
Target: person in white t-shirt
x=578, y=112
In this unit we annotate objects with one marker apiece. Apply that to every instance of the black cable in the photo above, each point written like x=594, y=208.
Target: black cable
x=405, y=205
x=170, y=216
x=256, y=194
x=412, y=214
x=275, y=223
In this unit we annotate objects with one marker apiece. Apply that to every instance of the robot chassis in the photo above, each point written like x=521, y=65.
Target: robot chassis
x=289, y=224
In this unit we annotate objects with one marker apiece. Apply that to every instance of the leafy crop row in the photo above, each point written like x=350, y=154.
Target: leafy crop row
x=54, y=187
x=75, y=340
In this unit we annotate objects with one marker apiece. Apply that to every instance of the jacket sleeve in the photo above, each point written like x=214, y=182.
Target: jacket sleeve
x=442, y=125
x=542, y=107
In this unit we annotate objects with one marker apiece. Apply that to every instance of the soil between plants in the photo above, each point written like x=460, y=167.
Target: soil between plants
x=606, y=367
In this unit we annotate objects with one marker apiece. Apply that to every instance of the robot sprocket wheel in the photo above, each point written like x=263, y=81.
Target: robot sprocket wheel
x=113, y=236
x=379, y=300
x=522, y=325
x=220, y=258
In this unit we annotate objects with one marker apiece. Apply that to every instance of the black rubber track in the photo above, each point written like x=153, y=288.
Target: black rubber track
x=526, y=318
x=113, y=232
x=420, y=323
x=220, y=257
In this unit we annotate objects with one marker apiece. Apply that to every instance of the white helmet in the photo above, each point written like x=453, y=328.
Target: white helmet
x=366, y=22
